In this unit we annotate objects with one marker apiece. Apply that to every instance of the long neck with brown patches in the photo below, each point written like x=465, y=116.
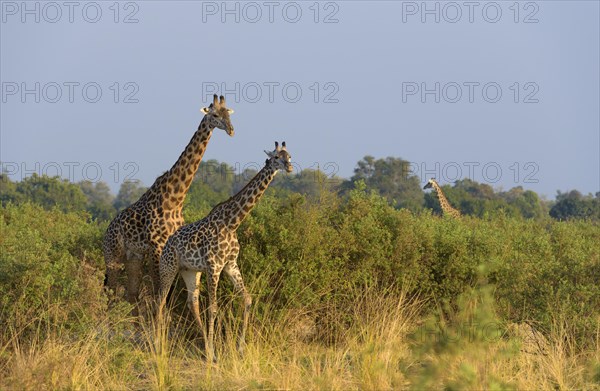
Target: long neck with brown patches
x=233, y=211
x=176, y=182
x=446, y=207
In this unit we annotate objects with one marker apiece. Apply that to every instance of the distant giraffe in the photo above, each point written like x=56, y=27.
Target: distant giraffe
x=139, y=232
x=210, y=245
x=446, y=207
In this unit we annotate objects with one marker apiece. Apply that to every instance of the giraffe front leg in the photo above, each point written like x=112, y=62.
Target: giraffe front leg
x=133, y=267
x=167, y=273
x=192, y=283
x=213, y=282
x=235, y=276
x=114, y=259
x=114, y=265
x=155, y=269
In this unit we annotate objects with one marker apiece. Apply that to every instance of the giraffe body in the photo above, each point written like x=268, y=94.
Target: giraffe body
x=447, y=209
x=211, y=246
x=138, y=233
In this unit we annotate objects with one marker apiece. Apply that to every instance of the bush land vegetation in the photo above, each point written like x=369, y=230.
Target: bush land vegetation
x=356, y=285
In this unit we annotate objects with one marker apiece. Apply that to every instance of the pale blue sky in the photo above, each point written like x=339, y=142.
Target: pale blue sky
x=370, y=66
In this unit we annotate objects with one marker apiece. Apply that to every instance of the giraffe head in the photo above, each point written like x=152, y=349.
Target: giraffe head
x=280, y=158
x=218, y=114
x=430, y=184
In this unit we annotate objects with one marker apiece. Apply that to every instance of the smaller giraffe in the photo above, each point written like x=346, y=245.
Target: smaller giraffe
x=211, y=246
x=446, y=207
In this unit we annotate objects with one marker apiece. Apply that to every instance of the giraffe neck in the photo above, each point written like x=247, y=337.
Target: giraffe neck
x=176, y=182
x=233, y=211
x=446, y=208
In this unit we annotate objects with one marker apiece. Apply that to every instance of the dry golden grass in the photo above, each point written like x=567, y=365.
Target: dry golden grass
x=382, y=348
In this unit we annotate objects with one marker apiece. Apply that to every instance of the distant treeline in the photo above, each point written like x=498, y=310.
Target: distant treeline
x=389, y=177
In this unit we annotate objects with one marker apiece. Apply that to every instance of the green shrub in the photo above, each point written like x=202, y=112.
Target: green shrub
x=310, y=252
x=315, y=251
x=48, y=259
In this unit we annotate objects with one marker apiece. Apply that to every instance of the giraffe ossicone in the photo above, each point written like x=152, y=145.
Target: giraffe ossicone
x=216, y=105
x=211, y=246
x=139, y=232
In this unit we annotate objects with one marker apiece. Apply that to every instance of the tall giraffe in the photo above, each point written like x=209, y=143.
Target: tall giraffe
x=210, y=245
x=139, y=232
x=446, y=207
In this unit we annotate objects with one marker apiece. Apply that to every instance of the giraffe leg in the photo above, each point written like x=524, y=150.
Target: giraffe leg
x=233, y=272
x=167, y=272
x=213, y=282
x=192, y=283
x=114, y=258
x=114, y=265
x=133, y=268
x=154, y=266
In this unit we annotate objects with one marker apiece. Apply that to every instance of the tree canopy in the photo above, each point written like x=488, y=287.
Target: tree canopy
x=574, y=205
x=129, y=193
x=389, y=177
x=479, y=199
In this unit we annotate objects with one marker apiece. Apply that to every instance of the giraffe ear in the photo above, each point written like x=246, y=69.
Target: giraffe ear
x=230, y=111
x=270, y=154
x=208, y=109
